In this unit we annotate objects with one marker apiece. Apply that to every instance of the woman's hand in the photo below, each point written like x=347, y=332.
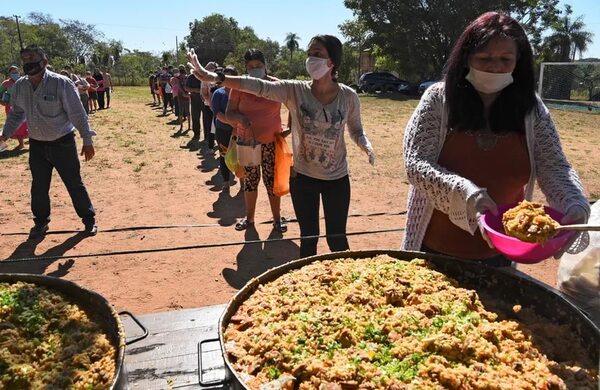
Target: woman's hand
x=245, y=122
x=198, y=70
x=482, y=204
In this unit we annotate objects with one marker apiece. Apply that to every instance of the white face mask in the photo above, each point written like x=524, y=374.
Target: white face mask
x=317, y=67
x=257, y=73
x=485, y=82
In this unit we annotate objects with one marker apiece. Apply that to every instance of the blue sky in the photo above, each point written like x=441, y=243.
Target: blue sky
x=153, y=26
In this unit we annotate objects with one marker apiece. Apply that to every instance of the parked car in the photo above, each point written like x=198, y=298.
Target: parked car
x=424, y=85
x=380, y=82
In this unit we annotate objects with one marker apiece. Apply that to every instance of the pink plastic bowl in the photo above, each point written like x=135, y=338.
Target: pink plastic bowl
x=521, y=251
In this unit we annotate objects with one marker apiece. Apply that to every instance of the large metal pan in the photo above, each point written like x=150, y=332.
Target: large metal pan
x=504, y=285
x=91, y=302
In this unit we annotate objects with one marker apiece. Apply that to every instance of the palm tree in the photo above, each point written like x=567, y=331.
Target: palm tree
x=569, y=37
x=291, y=42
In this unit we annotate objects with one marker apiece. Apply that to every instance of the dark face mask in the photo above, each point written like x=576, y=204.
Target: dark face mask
x=31, y=68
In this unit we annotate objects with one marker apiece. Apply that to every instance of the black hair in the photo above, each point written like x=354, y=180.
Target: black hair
x=35, y=49
x=230, y=70
x=508, y=111
x=254, y=54
x=334, y=49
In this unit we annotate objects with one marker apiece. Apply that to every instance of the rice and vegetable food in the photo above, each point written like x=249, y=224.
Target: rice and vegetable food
x=383, y=323
x=48, y=342
x=528, y=221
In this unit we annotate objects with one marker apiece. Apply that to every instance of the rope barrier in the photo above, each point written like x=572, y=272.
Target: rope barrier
x=188, y=247
x=201, y=225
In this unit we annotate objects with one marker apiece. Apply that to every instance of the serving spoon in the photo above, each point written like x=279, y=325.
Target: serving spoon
x=580, y=227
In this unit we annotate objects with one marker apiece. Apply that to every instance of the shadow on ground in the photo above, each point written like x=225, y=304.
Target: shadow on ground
x=256, y=258
x=27, y=250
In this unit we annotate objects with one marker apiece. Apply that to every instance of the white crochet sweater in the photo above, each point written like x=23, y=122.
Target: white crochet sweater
x=434, y=187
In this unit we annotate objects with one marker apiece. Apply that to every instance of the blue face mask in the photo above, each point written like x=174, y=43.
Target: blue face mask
x=14, y=76
x=258, y=73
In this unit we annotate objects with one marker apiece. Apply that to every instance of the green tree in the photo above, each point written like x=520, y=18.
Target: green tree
x=357, y=36
x=82, y=38
x=213, y=37
x=248, y=40
x=568, y=37
x=419, y=34
x=291, y=42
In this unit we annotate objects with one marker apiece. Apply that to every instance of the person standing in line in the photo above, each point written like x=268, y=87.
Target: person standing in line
x=151, y=82
x=157, y=87
x=207, y=114
x=224, y=129
x=108, y=85
x=92, y=91
x=193, y=87
x=257, y=121
x=82, y=88
x=163, y=83
x=183, y=97
x=322, y=109
x=174, y=82
x=100, y=89
x=51, y=105
x=5, y=96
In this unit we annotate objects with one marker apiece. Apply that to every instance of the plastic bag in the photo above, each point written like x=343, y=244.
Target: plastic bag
x=231, y=158
x=249, y=152
x=579, y=274
x=283, y=164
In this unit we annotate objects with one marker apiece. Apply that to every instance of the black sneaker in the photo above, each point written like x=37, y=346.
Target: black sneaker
x=91, y=230
x=38, y=231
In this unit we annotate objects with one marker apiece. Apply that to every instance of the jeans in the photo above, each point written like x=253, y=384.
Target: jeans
x=197, y=105
x=101, y=100
x=223, y=135
x=306, y=193
x=62, y=155
x=207, y=117
x=84, y=100
x=176, y=104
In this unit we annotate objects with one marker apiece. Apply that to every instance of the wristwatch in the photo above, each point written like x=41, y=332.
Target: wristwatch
x=220, y=77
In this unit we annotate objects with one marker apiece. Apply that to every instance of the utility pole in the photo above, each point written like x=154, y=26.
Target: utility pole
x=19, y=31
x=176, y=52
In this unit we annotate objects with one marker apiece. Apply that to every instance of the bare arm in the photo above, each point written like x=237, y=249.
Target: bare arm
x=232, y=113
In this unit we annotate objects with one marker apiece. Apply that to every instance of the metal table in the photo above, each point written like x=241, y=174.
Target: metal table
x=168, y=357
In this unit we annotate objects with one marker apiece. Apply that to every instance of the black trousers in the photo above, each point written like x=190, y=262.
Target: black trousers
x=101, y=100
x=62, y=155
x=107, y=92
x=207, y=117
x=223, y=135
x=306, y=193
x=197, y=105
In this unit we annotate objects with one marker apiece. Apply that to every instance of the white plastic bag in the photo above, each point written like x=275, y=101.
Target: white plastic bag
x=579, y=274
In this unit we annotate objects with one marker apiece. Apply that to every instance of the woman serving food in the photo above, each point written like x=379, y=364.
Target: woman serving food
x=479, y=138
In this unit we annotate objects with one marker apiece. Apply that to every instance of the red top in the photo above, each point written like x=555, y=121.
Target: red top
x=504, y=171
x=264, y=114
x=93, y=84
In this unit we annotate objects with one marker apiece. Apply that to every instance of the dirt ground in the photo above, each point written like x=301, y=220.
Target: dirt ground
x=152, y=191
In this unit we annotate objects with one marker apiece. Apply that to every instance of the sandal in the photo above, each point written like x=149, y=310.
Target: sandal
x=243, y=224
x=281, y=225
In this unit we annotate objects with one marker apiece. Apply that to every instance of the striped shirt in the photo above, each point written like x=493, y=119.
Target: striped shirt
x=52, y=111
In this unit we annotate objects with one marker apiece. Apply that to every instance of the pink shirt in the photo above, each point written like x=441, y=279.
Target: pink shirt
x=264, y=114
x=175, y=85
